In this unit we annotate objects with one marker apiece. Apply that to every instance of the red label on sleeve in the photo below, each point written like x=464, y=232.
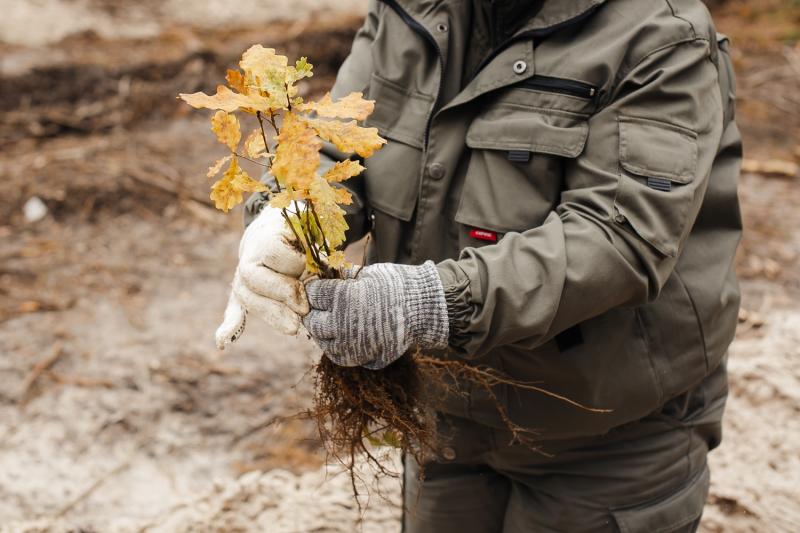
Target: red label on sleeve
x=483, y=235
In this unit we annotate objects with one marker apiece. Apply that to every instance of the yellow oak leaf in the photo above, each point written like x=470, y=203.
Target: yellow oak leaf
x=302, y=69
x=227, y=191
x=227, y=100
x=254, y=145
x=224, y=195
x=283, y=199
x=226, y=127
x=266, y=85
x=348, y=137
x=337, y=260
x=331, y=216
x=267, y=72
x=243, y=182
x=214, y=169
x=343, y=170
x=343, y=196
x=297, y=155
x=351, y=106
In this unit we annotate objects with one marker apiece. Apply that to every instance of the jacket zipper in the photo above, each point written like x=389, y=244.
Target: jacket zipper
x=561, y=86
x=419, y=28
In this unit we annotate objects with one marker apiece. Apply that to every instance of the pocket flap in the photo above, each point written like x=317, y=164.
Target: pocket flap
x=400, y=113
x=656, y=149
x=670, y=514
x=518, y=127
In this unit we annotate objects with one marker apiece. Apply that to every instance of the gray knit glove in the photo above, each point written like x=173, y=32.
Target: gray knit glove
x=373, y=319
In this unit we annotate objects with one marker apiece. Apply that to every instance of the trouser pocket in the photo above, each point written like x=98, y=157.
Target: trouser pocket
x=677, y=512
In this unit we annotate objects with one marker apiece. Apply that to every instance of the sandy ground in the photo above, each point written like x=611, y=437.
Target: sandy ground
x=41, y=22
x=116, y=411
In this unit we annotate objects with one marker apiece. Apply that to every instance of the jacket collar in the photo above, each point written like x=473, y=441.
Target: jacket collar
x=553, y=13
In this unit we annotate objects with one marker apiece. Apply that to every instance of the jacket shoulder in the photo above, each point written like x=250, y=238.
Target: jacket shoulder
x=642, y=27
x=623, y=33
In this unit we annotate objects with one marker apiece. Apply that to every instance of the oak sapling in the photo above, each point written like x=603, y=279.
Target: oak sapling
x=265, y=88
x=355, y=408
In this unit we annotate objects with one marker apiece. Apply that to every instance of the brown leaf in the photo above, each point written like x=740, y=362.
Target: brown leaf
x=236, y=81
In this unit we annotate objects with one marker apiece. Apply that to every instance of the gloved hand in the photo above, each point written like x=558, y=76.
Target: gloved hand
x=266, y=283
x=374, y=318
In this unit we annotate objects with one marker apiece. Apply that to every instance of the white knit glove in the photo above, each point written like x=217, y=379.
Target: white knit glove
x=266, y=283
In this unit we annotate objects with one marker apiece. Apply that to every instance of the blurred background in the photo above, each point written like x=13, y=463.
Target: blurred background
x=116, y=411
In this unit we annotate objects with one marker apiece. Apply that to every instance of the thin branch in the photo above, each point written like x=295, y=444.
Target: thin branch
x=303, y=243
x=491, y=378
x=274, y=125
x=291, y=227
x=309, y=237
x=266, y=144
x=363, y=257
x=319, y=225
x=251, y=160
x=40, y=368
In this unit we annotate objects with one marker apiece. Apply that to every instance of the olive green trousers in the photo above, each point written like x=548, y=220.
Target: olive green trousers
x=648, y=476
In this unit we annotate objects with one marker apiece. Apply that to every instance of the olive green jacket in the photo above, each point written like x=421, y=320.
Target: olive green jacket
x=578, y=192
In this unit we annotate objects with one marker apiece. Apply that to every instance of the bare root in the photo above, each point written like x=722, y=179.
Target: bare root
x=357, y=409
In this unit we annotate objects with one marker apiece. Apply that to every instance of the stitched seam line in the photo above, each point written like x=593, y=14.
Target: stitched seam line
x=624, y=155
x=545, y=110
x=624, y=72
x=696, y=316
x=570, y=150
x=669, y=125
x=675, y=14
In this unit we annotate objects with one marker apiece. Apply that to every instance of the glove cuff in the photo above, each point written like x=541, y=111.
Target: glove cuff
x=427, y=308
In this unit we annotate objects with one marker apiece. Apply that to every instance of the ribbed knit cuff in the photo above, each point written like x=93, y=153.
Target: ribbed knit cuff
x=427, y=308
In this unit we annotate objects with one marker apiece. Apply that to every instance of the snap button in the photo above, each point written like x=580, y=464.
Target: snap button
x=436, y=171
x=441, y=28
x=448, y=453
x=520, y=67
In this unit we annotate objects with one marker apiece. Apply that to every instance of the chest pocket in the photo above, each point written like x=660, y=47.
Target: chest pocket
x=400, y=115
x=515, y=172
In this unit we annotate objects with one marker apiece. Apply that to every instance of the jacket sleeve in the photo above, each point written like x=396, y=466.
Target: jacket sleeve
x=353, y=75
x=629, y=202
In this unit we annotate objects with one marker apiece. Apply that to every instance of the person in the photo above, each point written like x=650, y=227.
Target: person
x=557, y=201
